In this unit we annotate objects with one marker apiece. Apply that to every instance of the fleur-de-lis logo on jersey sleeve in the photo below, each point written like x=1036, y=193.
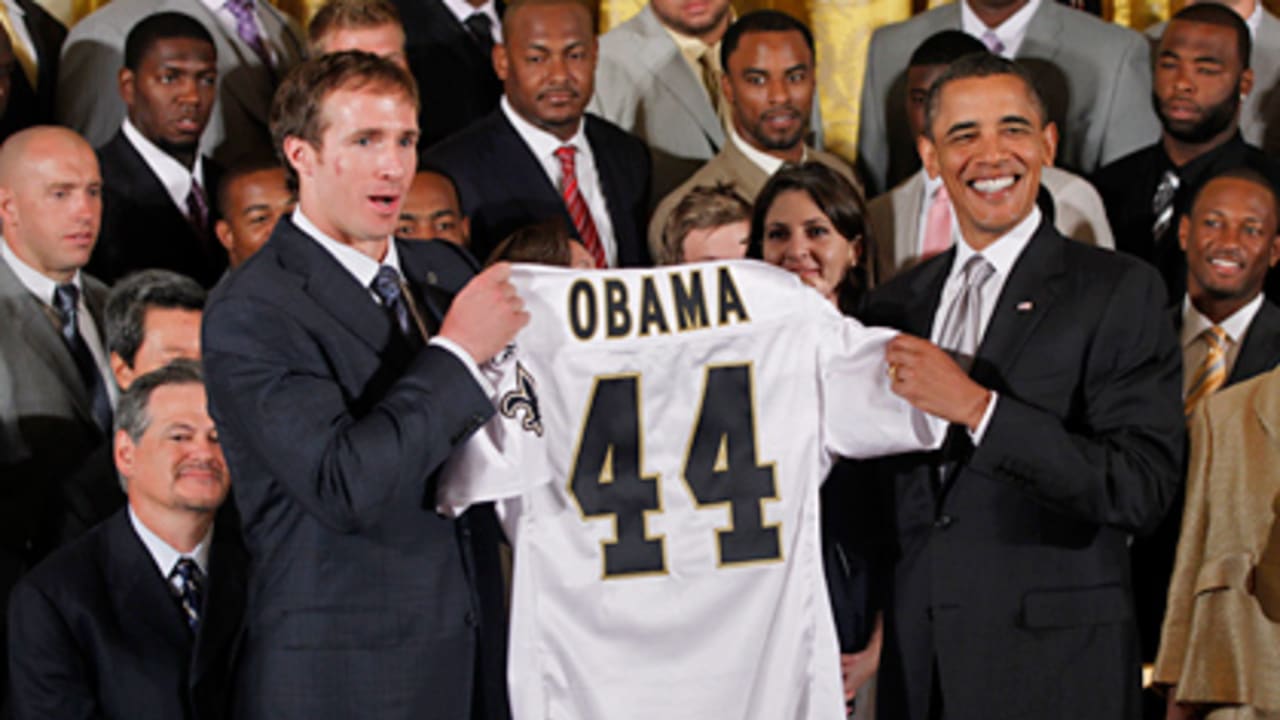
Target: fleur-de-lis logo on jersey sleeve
x=524, y=397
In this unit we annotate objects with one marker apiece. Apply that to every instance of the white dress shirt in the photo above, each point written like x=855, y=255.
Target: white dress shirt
x=364, y=268
x=43, y=287
x=1011, y=32
x=1195, y=346
x=770, y=164
x=175, y=178
x=164, y=554
x=462, y=10
x=543, y=145
x=1254, y=21
x=1002, y=254
x=228, y=21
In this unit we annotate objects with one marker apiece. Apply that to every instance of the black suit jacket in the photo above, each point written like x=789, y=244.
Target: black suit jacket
x=363, y=602
x=1012, y=577
x=142, y=228
x=503, y=187
x=455, y=77
x=96, y=633
x=34, y=106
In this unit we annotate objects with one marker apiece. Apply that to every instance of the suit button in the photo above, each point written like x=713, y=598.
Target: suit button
x=943, y=522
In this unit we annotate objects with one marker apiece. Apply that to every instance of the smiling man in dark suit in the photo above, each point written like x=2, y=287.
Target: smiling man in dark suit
x=540, y=156
x=343, y=372
x=138, y=619
x=1011, y=591
x=157, y=210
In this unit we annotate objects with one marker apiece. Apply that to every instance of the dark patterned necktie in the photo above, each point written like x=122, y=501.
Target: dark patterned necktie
x=389, y=289
x=66, y=302
x=187, y=583
x=481, y=29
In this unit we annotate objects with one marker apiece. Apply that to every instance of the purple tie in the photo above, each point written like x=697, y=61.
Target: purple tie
x=247, y=28
x=197, y=207
x=992, y=41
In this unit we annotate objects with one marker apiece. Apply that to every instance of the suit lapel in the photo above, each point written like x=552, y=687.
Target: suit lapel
x=906, y=209
x=926, y=293
x=38, y=328
x=522, y=172
x=1266, y=405
x=1027, y=295
x=667, y=66
x=748, y=178
x=331, y=287
x=140, y=593
x=223, y=605
x=1260, y=350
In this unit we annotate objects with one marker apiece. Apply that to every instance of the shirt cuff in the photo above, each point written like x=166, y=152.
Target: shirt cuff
x=465, y=358
x=976, y=435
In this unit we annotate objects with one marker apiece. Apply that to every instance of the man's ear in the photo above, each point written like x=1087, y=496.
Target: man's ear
x=928, y=155
x=300, y=154
x=125, y=82
x=501, y=62
x=223, y=231
x=1184, y=232
x=121, y=370
x=124, y=454
x=1049, y=136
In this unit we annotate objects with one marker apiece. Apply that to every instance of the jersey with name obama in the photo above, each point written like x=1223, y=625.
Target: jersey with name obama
x=659, y=445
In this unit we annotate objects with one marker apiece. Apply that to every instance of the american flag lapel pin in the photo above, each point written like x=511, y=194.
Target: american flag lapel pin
x=1025, y=306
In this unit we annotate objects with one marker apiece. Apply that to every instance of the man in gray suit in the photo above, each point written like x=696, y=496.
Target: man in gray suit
x=56, y=392
x=908, y=222
x=1263, y=102
x=1092, y=74
x=658, y=77
x=769, y=88
x=256, y=45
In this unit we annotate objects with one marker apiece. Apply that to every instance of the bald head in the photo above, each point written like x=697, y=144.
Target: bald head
x=50, y=199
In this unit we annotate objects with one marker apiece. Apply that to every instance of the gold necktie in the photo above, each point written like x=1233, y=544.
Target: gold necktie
x=20, y=49
x=1212, y=372
x=710, y=77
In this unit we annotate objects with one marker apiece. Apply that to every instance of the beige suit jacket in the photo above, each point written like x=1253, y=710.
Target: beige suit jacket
x=730, y=166
x=1216, y=645
x=894, y=218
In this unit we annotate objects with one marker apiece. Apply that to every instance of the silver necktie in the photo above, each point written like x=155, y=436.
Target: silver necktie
x=962, y=325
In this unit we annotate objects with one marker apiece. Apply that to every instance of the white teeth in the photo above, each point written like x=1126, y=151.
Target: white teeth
x=1223, y=262
x=993, y=185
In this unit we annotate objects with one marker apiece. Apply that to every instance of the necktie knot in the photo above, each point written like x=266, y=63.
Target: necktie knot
x=66, y=298
x=1216, y=337
x=565, y=154
x=993, y=42
x=386, y=285
x=481, y=29
x=187, y=583
x=977, y=270
x=1212, y=372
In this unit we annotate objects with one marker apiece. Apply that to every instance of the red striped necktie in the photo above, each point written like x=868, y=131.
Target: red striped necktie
x=577, y=205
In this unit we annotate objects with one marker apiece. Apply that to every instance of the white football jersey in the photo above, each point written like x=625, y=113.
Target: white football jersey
x=661, y=438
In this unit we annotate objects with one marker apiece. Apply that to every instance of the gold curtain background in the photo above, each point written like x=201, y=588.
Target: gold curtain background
x=842, y=30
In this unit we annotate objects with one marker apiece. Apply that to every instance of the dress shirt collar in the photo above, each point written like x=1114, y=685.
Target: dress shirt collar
x=766, y=162
x=931, y=185
x=33, y=280
x=1011, y=32
x=175, y=178
x=362, y=267
x=164, y=554
x=1254, y=21
x=1231, y=153
x=542, y=143
x=1002, y=253
x=1194, y=323
x=462, y=10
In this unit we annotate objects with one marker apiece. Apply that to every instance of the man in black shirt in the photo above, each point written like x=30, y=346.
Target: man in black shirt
x=1200, y=77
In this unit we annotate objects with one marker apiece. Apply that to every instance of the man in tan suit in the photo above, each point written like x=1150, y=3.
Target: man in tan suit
x=899, y=219
x=1219, y=653
x=769, y=84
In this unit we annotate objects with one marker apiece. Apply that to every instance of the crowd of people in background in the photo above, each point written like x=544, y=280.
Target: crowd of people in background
x=226, y=390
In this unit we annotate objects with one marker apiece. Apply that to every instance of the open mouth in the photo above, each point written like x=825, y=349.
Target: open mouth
x=994, y=185
x=386, y=203
x=1226, y=265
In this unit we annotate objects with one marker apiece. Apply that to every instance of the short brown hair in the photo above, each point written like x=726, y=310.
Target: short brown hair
x=295, y=109
x=349, y=14
x=705, y=206
x=546, y=243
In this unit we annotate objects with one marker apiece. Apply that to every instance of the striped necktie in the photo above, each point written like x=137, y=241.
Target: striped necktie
x=577, y=205
x=1212, y=373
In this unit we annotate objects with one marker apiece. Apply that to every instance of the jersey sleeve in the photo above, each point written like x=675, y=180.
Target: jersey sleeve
x=507, y=456
x=861, y=415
